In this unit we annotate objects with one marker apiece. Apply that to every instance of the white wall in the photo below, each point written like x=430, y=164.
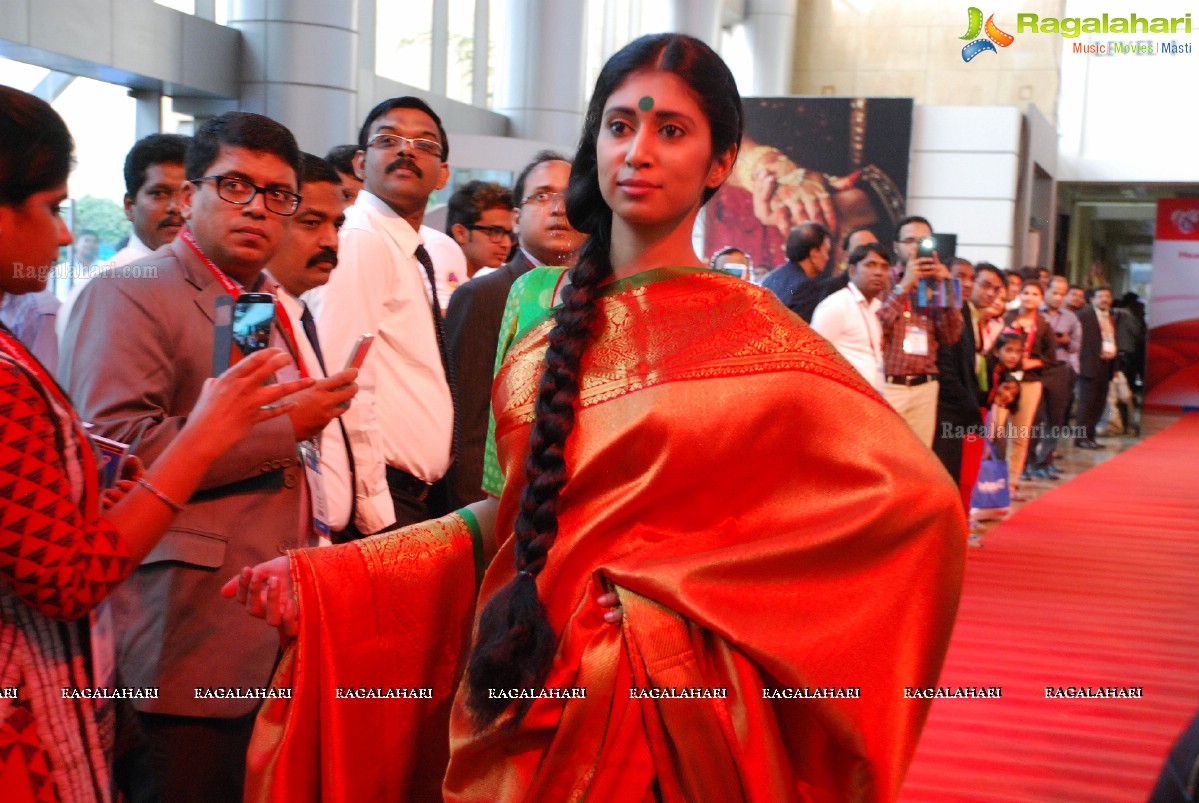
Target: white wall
x=964, y=177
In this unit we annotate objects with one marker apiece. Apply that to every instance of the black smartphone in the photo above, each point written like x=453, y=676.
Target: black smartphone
x=253, y=315
x=945, y=247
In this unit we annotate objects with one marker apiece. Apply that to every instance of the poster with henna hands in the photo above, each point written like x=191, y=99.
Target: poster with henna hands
x=840, y=161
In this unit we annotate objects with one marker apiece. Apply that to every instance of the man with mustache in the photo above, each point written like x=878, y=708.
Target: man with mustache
x=401, y=425
x=153, y=187
x=305, y=260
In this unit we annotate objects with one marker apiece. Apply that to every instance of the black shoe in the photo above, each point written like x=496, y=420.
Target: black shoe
x=1038, y=473
x=1052, y=473
x=1087, y=443
x=1026, y=475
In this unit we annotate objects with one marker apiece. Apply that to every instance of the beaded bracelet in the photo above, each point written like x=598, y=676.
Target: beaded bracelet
x=166, y=500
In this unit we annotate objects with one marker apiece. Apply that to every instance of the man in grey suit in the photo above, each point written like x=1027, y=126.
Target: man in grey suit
x=472, y=321
x=137, y=352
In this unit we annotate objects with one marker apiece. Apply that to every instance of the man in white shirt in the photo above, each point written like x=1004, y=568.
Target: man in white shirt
x=153, y=189
x=401, y=424
x=305, y=260
x=849, y=317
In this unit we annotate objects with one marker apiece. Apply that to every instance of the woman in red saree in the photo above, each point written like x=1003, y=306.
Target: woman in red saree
x=787, y=556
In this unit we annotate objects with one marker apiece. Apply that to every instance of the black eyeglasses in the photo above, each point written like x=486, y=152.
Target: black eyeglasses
x=391, y=142
x=497, y=234
x=241, y=192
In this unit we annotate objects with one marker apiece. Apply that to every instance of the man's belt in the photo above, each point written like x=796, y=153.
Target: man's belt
x=413, y=486
x=911, y=380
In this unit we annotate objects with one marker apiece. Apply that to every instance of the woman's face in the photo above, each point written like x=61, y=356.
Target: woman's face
x=30, y=235
x=1031, y=297
x=654, y=150
x=1006, y=394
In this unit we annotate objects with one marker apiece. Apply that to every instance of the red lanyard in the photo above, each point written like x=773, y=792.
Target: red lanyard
x=281, y=317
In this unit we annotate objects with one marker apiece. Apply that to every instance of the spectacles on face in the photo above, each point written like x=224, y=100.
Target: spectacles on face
x=241, y=192
x=910, y=240
x=543, y=198
x=392, y=142
x=497, y=234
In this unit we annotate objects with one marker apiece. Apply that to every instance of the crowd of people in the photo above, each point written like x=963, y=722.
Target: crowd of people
x=510, y=498
x=1056, y=351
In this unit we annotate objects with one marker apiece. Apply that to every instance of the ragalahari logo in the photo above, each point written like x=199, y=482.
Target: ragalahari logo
x=1186, y=220
x=994, y=36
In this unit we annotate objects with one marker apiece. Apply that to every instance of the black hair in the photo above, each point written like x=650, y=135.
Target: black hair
x=406, y=102
x=153, y=150
x=862, y=251
x=728, y=249
x=1033, y=281
x=314, y=169
x=903, y=221
x=541, y=157
x=472, y=199
x=1074, y=287
x=987, y=267
x=242, y=130
x=1005, y=337
x=36, y=149
x=342, y=158
x=804, y=239
x=852, y=232
x=515, y=643
x=1090, y=294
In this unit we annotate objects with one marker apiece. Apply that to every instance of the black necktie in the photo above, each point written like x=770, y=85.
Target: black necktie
x=439, y=328
x=309, y=325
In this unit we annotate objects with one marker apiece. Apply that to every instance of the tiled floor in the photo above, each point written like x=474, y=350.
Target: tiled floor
x=1073, y=461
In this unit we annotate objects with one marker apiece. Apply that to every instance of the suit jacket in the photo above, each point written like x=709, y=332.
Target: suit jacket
x=958, y=397
x=136, y=353
x=472, y=333
x=1091, y=364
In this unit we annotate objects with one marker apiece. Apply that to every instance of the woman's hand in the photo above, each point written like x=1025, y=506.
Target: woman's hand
x=116, y=493
x=267, y=592
x=240, y=398
x=610, y=600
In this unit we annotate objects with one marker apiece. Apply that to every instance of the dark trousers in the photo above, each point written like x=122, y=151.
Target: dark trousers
x=198, y=759
x=413, y=500
x=1056, y=385
x=1092, y=398
x=947, y=445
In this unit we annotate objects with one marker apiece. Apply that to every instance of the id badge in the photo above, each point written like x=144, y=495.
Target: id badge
x=915, y=340
x=316, y=488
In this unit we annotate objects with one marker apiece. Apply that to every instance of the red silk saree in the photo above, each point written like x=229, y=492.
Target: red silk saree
x=771, y=527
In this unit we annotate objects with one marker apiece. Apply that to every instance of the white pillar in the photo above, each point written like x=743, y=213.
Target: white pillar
x=300, y=66
x=698, y=18
x=544, y=94
x=770, y=28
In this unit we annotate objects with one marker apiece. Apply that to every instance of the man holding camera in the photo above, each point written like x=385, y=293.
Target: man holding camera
x=912, y=333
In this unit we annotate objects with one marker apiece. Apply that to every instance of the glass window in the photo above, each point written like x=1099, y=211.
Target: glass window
x=460, y=60
x=404, y=42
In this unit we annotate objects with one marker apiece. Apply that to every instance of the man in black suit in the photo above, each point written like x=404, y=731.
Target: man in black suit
x=958, y=394
x=1096, y=362
x=472, y=321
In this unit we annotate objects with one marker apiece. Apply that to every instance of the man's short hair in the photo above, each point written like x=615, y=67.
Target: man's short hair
x=405, y=102
x=804, y=239
x=314, y=169
x=728, y=249
x=863, y=251
x=149, y=151
x=852, y=232
x=541, y=157
x=961, y=261
x=472, y=199
x=1074, y=287
x=342, y=158
x=1091, y=293
x=242, y=130
x=1033, y=273
x=987, y=267
x=1059, y=278
x=910, y=219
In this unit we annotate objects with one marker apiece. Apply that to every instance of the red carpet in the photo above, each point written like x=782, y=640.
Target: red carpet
x=1096, y=583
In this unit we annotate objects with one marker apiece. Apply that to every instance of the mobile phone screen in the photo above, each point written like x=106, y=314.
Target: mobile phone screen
x=253, y=314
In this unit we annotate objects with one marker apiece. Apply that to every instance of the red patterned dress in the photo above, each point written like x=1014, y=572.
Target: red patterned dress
x=58, y=560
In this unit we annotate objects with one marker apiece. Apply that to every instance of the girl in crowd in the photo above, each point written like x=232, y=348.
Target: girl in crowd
x=1038, y=350
x=62, y=548
x=672, y=438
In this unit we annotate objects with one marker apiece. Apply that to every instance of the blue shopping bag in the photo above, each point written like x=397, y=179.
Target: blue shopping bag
x=991, y=494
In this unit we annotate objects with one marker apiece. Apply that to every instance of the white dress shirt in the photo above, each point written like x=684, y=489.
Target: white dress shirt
x=850, y=322
x=403, y=414
x=449, y=263
x=134, y=250
x=335, y=464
